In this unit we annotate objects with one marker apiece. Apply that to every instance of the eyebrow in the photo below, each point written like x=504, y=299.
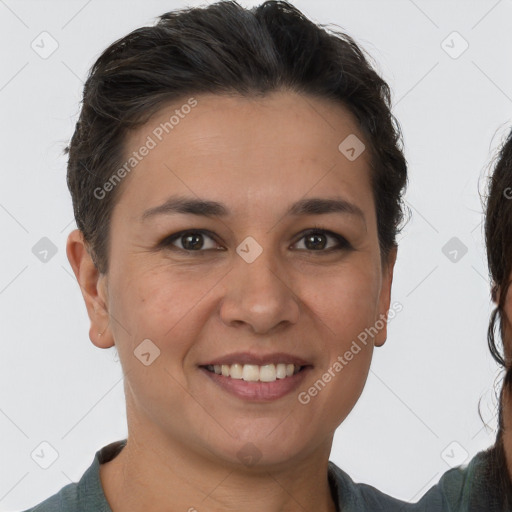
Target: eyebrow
x=206, y=208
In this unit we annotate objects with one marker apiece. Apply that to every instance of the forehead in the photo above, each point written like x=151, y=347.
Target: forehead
x=283, y=144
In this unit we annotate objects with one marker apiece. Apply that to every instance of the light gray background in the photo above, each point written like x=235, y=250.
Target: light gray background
x=426, y=382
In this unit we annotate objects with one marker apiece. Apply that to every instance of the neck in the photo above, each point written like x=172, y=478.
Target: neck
x=153, y=469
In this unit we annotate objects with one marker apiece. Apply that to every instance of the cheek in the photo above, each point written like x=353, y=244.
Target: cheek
x=505, y=319
x=347, y=301
x=163, y=291
x=173, y=307
x=347, y=314
x=160, y=306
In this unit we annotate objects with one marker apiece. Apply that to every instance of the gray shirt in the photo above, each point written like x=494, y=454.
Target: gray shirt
x=458, y=491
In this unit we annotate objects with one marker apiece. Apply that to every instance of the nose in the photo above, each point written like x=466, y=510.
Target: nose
x=258, y=296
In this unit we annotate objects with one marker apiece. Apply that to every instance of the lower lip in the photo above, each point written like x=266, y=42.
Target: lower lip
x=258, y=391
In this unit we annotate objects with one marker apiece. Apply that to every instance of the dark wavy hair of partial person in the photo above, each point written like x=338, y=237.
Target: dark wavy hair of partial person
x=498, y=239
x=226, y=49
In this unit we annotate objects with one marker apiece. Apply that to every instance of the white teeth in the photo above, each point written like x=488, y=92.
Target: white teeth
x=236, y=371
x=268, y=373
x=281, y=371
x=255, y=373
x=251, y=372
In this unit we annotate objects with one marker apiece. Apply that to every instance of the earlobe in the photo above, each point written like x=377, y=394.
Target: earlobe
x=93, y=289
x=385, y=297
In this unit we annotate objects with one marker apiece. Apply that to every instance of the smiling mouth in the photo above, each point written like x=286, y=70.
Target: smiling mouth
x=255, y=373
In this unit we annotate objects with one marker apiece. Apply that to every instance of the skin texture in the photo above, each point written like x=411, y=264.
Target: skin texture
x=257, y=156
x=506, y=398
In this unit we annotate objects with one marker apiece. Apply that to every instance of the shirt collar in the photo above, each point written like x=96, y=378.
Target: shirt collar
x=91, y=492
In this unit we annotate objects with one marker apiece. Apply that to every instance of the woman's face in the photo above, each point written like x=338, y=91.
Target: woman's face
x=252, y=287
x=506, y=322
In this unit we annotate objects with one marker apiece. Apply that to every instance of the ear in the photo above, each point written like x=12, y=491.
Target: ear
x=94, y=289
x=388, y=266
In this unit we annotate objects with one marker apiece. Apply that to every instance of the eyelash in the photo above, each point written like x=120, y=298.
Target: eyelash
x=342, y=243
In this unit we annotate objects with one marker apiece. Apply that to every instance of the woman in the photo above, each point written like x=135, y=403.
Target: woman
x=236, y=178
x=497, y=461
x=485, y=483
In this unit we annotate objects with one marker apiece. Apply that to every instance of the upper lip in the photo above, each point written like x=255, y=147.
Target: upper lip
x=257, y=359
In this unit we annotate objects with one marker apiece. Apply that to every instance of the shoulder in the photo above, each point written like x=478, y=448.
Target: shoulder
x=65, y=500
x=469, y=488
x=461, y=489
x=362, y=497
x=86, y=495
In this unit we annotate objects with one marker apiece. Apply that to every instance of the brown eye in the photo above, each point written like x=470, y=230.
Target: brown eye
x=318, y=240
x=315, y=241
x=191, y=241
